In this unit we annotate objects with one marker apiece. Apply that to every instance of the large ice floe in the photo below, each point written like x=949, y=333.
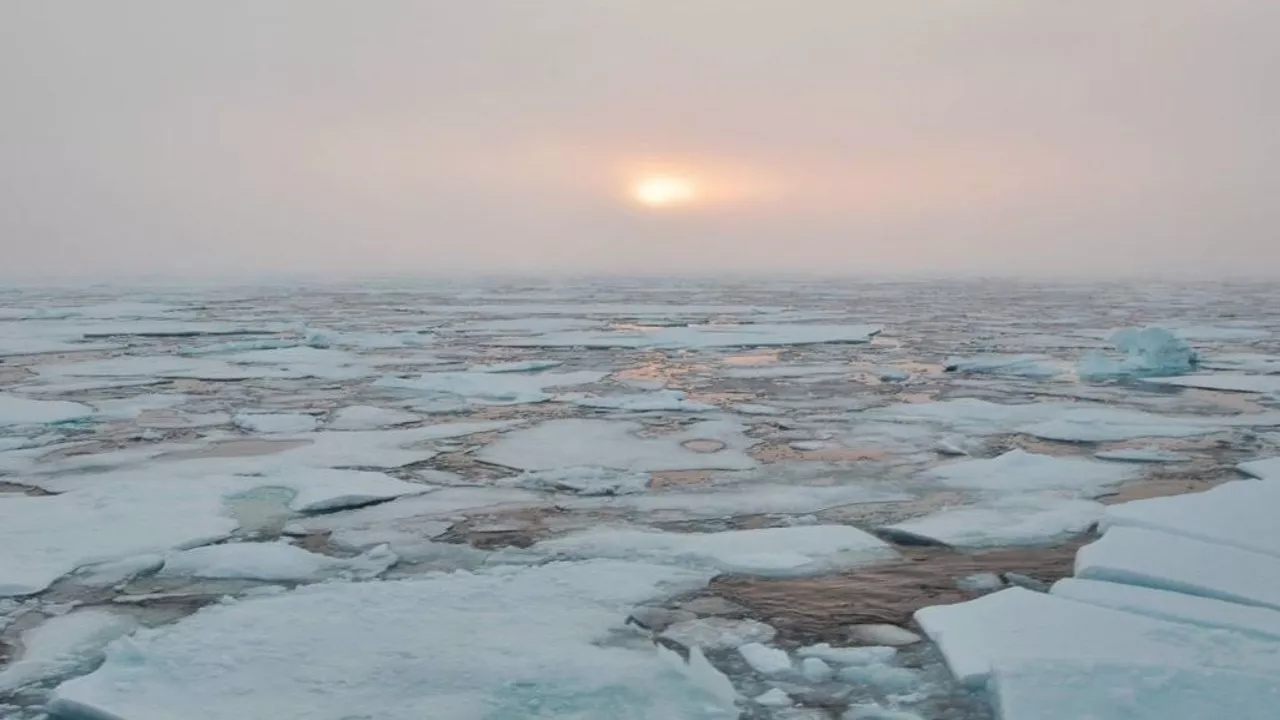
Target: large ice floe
x=1147, y=351
x=770, y=551
x=504, y=643
x=23, y=411
x=1172, y=616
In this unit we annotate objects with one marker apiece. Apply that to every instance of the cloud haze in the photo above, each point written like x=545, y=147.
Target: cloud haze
x=177, y=136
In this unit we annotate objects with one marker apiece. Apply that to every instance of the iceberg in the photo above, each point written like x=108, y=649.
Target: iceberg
x=521, y=643
x=1148, y=351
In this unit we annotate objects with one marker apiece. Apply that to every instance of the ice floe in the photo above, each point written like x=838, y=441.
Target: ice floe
x=1021, y=471
x=1238, y=382
x=743, y=500
x=716, y=633
x=766, y=660
x=1025, y=519
x=1142, y=455
x=489, y=388
x=268, y=561
x=771, y=551
x=1238, y=514
x=557, y=444
x=23, y=411
x=1147, y=558
x=368, y=417
x=164, y=366
x=585, y=481
x=271, y=423
x=522, y=643
x=64, y=645
x=670, y=400
x=1176, y=606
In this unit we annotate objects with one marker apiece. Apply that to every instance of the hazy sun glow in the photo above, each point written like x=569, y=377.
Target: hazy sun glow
x=664, y=191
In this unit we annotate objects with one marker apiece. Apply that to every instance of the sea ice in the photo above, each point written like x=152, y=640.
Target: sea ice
x=701, y=336
x=882, y=634
x=847, y=656
x=1238, y=382
x=716, y=633
x=775, y=698
x=557, y=444
x=489, y=388
x=163, y=366
x=22, y=411
x=981, y=582
x=368, y=417
x=1020, y=519
x=265, y=561
x=522, y=643
x=744, y=499
x=1142, y=455
x=1175, y=606
x=1150, y=351
x=1071, y=689
x=274, y=423
x=1021, y=471
x=585, y=481
x=1031, y=366
x=1147, y=558
x=1017, y=625
x=886, y=678
x=1240, y=514
x=786, y=551
x=670, y=400
x=515, y=367
x=62, y=646
x=766, y=660
x=815, y=670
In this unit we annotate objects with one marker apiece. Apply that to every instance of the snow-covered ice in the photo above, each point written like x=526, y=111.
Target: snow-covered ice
x=882, y=634
x=520, y=643
x=766, y=660
x=715, y=633
x=784, y=551
x=585, y=481
x=368, y=417
x=274, y=423
x=16, y=410
x=1239, y=514
x=1148, y=558
x=1021, y=471
x=1019, y=519
x=1238, y=382
x=63, y=645
x=846, y=656
x=489, y=388
x=1175, y=606
x=266, y=561
x=670, y=400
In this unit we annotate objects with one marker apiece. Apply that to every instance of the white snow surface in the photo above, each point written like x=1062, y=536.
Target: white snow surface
x=766, y=660
x=266, y=561
x=16, y=410
x=716, y=633
x=670, y=400
x=521, y=643
x=786, y=551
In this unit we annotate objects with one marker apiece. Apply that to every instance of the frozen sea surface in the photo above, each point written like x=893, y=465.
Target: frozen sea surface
x=412, y=498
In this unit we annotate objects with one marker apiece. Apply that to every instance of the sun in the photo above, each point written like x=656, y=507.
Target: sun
x=660, y=191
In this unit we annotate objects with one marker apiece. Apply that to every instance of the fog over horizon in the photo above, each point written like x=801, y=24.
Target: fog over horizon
x=837, y=137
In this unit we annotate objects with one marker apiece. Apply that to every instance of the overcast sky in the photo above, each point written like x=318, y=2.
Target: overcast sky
x=462, y=136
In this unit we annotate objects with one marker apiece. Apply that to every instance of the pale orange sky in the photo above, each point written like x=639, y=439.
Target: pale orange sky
x=325, y=136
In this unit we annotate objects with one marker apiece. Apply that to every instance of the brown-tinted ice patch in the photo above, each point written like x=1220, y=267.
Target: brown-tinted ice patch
x=818, y=609
x=678, y=478
x=702, y=445
x=757, y=359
